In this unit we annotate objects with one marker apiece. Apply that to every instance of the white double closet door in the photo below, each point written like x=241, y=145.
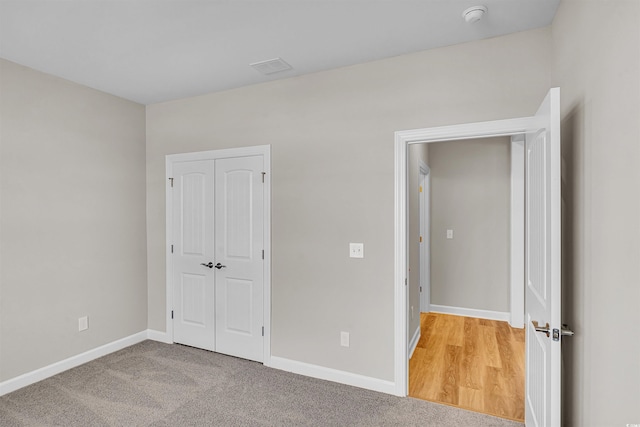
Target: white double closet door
x=218, y=243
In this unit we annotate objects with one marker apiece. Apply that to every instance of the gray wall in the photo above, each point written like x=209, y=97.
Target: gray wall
x=333, y=172
x=470, y=184
x=596, y=62
x=417, y=152
x=72, y=219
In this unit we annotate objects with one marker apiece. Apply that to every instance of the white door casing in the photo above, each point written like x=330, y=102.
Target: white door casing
x=516, y=237
x=193, y=288
x=542, y=266
x=258, y=158
x=238, y=247
x=508, y=127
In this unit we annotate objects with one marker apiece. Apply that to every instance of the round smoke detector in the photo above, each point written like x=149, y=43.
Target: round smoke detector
x=474, y=14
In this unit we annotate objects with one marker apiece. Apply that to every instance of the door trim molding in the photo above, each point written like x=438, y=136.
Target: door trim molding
x=258, y=150
x=403, y=139
x=516, y=234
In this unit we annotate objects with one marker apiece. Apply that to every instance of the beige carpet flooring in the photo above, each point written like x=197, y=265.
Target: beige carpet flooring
x=155, y=384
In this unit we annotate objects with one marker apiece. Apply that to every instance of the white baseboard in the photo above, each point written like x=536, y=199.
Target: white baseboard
x=414, y=341
x=48, y=371
x=334, y=375
x=154, y=335
x=470, y=312
x=296, y=367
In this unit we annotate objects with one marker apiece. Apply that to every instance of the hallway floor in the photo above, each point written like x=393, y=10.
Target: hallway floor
x=474, y=364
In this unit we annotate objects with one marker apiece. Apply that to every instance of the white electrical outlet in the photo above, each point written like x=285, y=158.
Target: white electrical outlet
x=356, y=250
x=449, y=234
x=344, y=339
x=83, y=323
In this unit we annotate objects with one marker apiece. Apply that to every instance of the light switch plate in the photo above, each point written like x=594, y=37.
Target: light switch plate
x=449, y=234
x=83, y=323
x=344, y=339
x=356, y=250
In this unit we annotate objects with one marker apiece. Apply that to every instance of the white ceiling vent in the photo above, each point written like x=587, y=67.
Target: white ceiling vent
x=271, y=66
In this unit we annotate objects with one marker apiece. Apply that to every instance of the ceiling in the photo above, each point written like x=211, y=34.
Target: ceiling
x=151, y=51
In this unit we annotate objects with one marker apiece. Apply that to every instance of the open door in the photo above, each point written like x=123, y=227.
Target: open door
x=542, y=266
x=425, y=238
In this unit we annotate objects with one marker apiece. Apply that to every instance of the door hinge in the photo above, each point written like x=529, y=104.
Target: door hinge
x=172, y=314
x=171, y=248
x=405, y=282
x=171, y=182
x=420, y=288
x=420, y=189
x=263, y=174
x=263, y=254
x=263, y=331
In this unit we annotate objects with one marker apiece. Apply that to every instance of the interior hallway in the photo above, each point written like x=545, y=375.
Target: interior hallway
x=471, y=363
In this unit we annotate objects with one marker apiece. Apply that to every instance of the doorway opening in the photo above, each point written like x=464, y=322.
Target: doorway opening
x=542, y=262
x=465, y=345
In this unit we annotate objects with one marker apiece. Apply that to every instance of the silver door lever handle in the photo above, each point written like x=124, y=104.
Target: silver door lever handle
x=210, y=265
x=565, y=331
x=219, y=266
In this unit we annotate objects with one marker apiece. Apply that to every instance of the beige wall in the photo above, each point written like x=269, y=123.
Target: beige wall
x=470, y=184
x=596, y=62
x=72, y=197
x=333, y=172
x=417, y=153
x=72, y=219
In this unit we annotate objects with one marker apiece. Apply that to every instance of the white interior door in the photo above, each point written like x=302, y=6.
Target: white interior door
x=239, y=255
x=542, y=266
x=425, y=239
x=193, y=283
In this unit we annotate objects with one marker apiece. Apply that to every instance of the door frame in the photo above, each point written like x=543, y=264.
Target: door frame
x=516, y=233
x=508, y=127
x=258, y=150
x=425, y=233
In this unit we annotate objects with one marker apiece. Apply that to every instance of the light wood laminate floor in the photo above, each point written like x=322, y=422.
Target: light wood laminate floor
x=471, y=363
